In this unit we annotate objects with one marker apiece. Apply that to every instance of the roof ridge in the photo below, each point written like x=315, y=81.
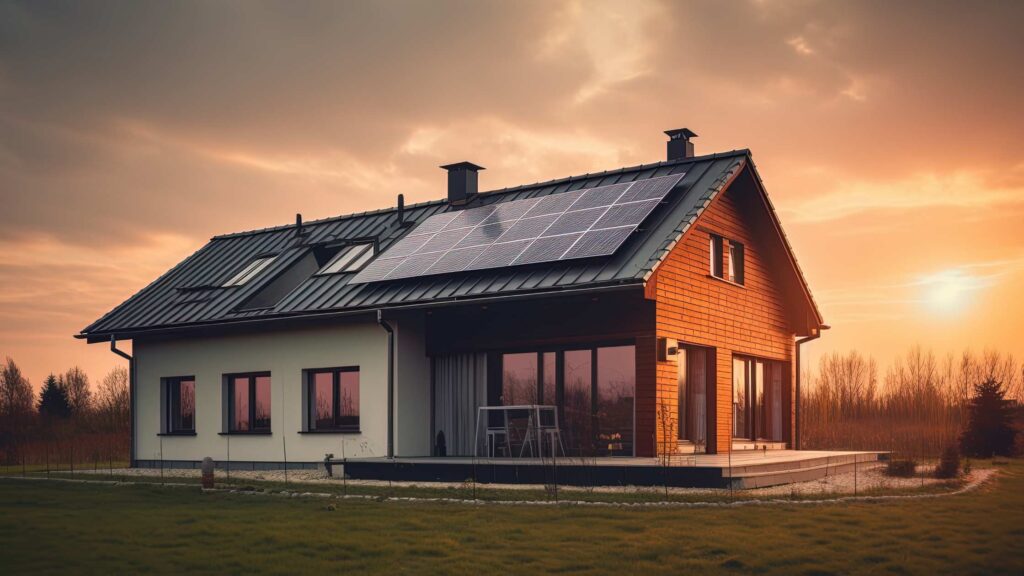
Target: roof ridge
x=506, y=190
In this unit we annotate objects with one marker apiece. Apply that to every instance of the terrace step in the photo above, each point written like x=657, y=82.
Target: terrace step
x=753, y=476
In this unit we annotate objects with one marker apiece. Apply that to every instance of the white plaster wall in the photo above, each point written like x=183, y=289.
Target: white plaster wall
x=285, y=354
x=412, y=388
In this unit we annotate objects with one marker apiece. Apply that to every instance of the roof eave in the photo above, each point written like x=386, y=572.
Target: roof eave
x=105, y=336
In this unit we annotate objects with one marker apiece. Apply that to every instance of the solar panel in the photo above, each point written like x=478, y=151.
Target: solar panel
x=574, y=224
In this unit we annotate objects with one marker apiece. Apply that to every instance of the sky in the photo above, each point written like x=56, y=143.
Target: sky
x=890, y=137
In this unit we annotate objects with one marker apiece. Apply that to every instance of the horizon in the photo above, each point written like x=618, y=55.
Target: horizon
x=899, y=182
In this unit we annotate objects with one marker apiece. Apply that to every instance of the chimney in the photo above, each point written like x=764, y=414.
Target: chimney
x=679, y=145
x=462, y=182
x=400, y=212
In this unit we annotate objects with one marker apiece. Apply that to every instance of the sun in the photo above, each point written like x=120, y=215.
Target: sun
x=950, y=291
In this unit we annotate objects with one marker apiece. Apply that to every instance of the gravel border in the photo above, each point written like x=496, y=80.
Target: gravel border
x=974, y=480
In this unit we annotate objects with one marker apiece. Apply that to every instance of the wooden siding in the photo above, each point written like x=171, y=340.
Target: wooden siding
x=695, y=308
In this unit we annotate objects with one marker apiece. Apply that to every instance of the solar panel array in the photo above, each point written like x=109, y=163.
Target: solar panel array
x=577, y=224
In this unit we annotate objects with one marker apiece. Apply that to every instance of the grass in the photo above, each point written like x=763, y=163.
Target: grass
x=87, y=528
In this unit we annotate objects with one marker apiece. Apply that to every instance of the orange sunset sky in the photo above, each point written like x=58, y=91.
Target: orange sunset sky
x=890, y=136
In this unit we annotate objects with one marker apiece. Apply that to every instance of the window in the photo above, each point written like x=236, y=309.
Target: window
x=758, y=407
x=179, y=405
x=332, y=396
x=248, y=403
x=733, y=271
x=519, y=379
x=593, y=388
x=614, y=393
x=349, y=259
x=692, y=378
x=716, y=256
x=249, y=272
x=735, y=262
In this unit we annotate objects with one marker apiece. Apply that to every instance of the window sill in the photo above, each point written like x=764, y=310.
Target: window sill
x=255, y=433
x=330, y=432
x=176, y=434
x=729, y=282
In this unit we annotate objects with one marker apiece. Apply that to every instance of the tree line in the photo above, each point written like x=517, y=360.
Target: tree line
x=66, y=416
x=919, y=406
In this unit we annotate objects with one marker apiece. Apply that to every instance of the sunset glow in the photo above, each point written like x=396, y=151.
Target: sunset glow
x=950, y=291
x=129, y=135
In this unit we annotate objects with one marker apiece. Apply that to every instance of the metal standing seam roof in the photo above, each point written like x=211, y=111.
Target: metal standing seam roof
x=190, y=294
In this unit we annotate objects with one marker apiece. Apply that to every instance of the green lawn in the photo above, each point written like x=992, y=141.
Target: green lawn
x=66, y=527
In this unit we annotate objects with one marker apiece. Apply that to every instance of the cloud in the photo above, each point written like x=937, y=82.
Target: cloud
x=850, y=196
x=616, y=39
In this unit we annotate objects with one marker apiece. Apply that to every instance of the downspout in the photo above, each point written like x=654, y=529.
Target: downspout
x=131, y=395
x=816, y=333
x=391, y=381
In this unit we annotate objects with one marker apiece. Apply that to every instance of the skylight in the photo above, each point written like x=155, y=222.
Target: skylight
x=249, y=272
x=349, y=259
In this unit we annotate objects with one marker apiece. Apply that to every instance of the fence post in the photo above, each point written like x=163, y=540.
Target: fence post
x=855, y=458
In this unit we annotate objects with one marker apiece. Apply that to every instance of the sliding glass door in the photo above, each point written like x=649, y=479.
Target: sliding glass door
x=613, y=400
x=593, y=387
x=577, y=402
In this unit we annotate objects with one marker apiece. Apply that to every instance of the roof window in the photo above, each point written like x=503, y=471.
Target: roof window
x=349, y=259
x=250, y=271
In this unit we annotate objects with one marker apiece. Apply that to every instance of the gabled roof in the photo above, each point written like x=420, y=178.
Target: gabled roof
x=191, y=293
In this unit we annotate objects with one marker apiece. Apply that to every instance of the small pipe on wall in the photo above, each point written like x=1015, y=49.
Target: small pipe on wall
x=815, y=334
x=391, y=381
x=131, y=394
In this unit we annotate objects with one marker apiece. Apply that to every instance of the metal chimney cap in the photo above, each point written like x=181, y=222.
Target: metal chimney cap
x=684, y=133
x=463, y=166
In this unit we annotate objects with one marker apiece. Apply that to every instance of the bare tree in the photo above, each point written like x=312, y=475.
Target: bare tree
x=17, y=410
x=76, y=383
x=920, y=407
x=112, y=401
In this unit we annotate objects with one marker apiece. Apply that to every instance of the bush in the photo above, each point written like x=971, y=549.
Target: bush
x=901, y=468
x=949, y=464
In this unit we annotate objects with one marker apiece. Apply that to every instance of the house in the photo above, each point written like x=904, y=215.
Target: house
x=657, y=309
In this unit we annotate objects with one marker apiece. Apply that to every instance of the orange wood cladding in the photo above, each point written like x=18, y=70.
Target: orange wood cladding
x=695, y=308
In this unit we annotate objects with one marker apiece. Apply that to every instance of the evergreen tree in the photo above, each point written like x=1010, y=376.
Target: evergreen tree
x=990, y=430
x=53, y=400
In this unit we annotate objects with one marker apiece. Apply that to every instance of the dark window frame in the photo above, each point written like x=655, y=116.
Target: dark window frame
x=310, y=408
x=229, y=382
x=171, y=400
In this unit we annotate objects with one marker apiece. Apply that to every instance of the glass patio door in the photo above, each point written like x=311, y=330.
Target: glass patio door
x=692, y=381
x=594, y=389
x=757, y=399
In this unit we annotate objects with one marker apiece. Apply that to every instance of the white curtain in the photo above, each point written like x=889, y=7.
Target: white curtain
x=460, y=386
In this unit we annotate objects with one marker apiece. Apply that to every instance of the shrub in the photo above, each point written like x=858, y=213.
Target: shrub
x=901, y=467
x=949, y=464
